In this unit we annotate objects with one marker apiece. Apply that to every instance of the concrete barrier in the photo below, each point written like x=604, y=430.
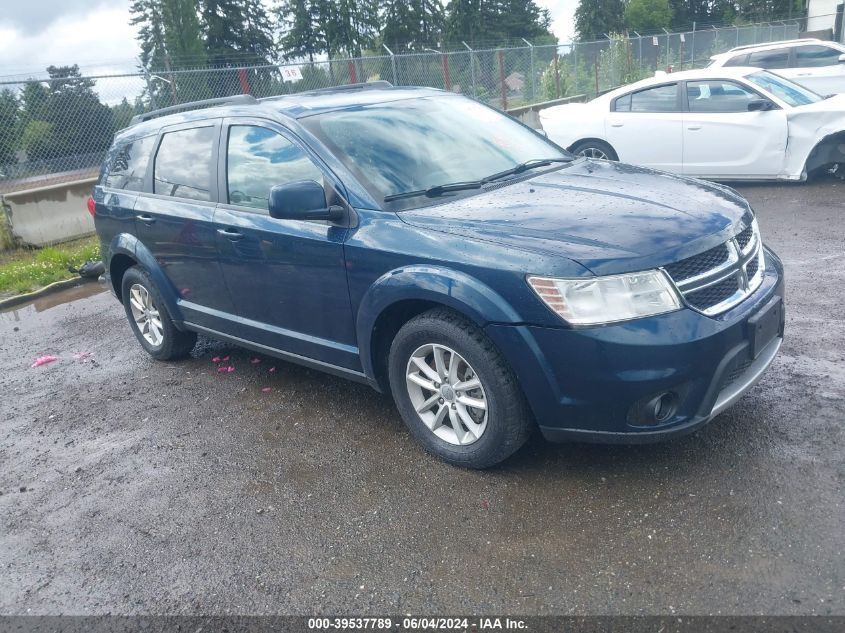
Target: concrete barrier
x=49, y=214
x=529, y=114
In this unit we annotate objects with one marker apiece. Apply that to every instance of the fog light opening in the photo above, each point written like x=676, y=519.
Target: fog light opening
x=663, y=407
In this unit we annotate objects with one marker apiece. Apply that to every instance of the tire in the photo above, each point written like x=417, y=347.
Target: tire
x=594, y=149
x=142, y=302
x=488, y=435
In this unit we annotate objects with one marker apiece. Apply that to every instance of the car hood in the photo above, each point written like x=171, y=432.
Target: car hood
x=608, y=217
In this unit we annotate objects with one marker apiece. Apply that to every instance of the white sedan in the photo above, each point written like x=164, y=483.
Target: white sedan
x=715, y=123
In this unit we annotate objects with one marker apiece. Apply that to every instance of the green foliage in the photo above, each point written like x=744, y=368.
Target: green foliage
x=413, y=23
x=35, y=140
x=300, y=21
x=29, y=269
x=481, y=22
x=594, y=18
x=9, y=126
x=648, y=16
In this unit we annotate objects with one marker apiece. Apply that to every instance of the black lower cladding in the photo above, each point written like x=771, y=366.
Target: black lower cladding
x=711, y=295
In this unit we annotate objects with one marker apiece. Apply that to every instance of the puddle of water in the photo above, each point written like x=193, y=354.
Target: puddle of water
x=52, y=300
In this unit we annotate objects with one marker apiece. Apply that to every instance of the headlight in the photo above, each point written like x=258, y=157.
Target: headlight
x=597, y=300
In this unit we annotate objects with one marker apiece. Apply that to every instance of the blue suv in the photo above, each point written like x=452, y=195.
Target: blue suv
x=439, y=250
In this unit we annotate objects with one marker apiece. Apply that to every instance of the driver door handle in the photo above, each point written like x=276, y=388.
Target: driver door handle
x=146, y=219
x=693, y=127
x=232, y=234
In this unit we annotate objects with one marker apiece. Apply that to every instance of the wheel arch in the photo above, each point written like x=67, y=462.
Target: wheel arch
x=828, y=151
x=593, y=139
x=400, y=295
x=126, y=251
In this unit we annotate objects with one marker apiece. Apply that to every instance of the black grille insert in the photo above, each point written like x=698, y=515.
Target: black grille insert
x=711, y=295
x=744, y=238
x=698, y=264
x=751, y=268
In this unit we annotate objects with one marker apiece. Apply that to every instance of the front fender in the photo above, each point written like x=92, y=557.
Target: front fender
x=451, y=288
x=129, y=245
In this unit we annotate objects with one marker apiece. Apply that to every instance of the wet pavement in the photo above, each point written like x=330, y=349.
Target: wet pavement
x=132, y=486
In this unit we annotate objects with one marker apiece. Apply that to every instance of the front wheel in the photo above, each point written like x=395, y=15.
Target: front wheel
x=594, y=149
x=455, y=392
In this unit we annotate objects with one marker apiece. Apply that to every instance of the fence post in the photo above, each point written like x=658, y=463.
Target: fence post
x=640, y=62
x=737, y=36
x=392, y=63
x=501, y=56
x=353, y=74
x=597, y=75
x=557, y=74
x=243, y=78
x=471, y=68
x=575, y=63
x=447, y=79
x=148, y=79
x=533, y=76
x=692, y=47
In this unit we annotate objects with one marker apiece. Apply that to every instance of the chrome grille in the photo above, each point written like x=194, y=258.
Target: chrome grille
x=698, y=264
x=717, y=279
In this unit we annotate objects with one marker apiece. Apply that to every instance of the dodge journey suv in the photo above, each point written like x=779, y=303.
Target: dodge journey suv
x=438, y=250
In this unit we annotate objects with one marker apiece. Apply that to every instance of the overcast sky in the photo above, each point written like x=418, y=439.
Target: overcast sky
x=96, y=34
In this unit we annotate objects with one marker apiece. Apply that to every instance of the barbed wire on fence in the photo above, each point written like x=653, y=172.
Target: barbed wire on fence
x=59, y=127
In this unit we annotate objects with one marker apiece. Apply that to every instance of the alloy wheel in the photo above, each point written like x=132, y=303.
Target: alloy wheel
x=447, y=394
x=146, y=315
x=593, y=152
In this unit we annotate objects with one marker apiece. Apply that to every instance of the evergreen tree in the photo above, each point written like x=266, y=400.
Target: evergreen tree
x=595, y=18
x=9, y=126
x=302, y=32
x=351, y=26
x=412, y=23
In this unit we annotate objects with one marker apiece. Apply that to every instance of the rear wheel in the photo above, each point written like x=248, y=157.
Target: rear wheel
x=455, y=392
x=594, y=148
x=149, y=319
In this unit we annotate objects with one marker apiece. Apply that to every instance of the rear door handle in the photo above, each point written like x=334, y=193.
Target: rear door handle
x=231, y=234
x=616, y=124
x=146, y=219
x=693, y=127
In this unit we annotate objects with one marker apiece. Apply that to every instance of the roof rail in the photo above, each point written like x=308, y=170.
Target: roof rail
x=138, y=118
x=379, y=84
x=758, y=45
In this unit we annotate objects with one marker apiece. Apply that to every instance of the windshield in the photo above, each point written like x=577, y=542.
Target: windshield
x=420, y=143
x=783, y=89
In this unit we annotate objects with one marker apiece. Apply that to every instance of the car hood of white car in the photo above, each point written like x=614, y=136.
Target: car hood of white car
x=608, y=217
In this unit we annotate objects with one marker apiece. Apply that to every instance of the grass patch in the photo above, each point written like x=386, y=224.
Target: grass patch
x=25, y=270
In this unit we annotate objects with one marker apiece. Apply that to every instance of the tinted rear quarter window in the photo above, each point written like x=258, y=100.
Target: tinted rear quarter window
x=738, y=60
x=183, y=164
x=657, y=99
x=126, y=164
x=774, y=59
x=807, y=56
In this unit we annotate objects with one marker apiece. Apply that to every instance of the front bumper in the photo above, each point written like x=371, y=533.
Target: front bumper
x=589, y=383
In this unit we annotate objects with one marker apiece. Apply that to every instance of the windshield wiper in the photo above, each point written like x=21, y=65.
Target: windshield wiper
x=529, y=164
x=438, y=190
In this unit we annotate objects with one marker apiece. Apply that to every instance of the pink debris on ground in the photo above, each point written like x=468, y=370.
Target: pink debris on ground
x=225, y=359
x=43, y=360
x=267, y=390
x=230, y=369
x=216, y=359
x=255, y=361
x=272, y=370
x=222, y=370
x=83, y=355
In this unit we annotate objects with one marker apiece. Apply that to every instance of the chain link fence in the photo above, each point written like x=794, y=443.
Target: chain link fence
x=58, y=127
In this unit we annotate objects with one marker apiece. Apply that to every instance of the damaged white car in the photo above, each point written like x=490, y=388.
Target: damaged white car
x=715, y=123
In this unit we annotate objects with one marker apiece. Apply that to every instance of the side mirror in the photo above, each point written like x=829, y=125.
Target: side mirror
x=760, y=105
x=842, y=58
x=301, y=200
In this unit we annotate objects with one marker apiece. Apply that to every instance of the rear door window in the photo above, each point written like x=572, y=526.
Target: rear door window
x=126, y=164
x=771, y=60
x=738, y=60
x=658, y=99
x=184, y=164
x=808, y=56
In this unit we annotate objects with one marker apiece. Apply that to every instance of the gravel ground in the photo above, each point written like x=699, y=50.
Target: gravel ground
x=130, y=486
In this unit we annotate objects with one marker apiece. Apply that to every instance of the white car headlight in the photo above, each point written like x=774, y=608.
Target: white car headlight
x=599, y=300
